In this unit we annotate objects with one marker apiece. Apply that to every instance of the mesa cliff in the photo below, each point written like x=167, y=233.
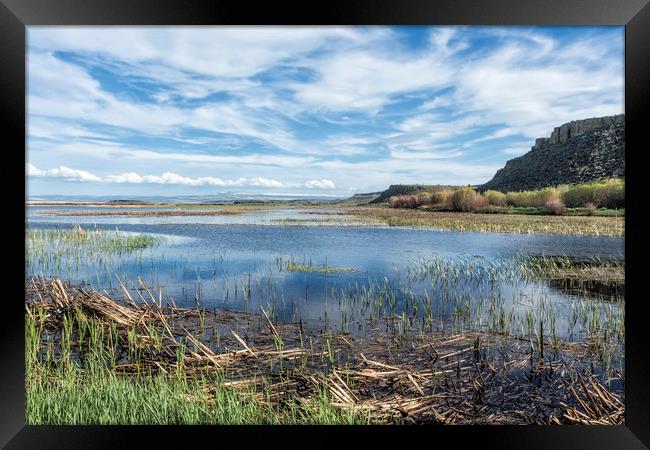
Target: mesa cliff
x=576, y=152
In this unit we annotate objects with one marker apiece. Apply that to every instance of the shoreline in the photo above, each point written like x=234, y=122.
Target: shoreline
x=384, y=217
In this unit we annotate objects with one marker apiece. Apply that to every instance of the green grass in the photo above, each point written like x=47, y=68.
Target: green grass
x=605, y=212
x=110, y=399
x=102, y=240
x=85, y=389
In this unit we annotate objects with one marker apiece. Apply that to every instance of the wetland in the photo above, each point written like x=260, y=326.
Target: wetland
x=282, y=315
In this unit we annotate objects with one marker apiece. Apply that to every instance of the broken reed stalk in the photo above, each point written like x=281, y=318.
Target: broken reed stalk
x=604, y=408
x=274, y=332
x=541, y=340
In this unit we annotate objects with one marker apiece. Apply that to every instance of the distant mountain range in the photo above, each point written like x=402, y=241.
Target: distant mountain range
x=216, y=198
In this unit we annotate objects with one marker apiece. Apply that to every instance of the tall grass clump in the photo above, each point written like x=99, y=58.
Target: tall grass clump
x=608, y=194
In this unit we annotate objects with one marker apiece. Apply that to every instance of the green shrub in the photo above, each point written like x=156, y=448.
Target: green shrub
x=535, y=198
x=607, y=194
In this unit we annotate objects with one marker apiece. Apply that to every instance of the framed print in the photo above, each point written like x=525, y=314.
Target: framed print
x=358, y=215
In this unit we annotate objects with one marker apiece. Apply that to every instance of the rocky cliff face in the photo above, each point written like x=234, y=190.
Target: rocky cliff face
x=576, y=152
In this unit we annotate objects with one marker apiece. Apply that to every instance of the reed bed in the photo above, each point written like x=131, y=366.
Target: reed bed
x=155, y=363
x=293, y=265
x=493, y=223
x=97, y=239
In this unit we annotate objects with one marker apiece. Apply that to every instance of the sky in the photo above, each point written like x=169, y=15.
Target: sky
x=302, y=111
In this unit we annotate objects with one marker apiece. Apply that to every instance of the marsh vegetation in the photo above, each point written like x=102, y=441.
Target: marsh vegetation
x=172, y=330
x=600, y=198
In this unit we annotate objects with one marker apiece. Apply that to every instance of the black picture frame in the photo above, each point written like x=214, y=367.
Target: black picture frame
x=16, y=15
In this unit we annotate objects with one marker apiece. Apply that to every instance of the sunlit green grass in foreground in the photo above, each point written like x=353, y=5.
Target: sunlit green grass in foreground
x=66, y=389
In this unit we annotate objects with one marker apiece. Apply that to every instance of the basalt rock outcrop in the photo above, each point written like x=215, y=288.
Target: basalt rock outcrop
x=576, y=152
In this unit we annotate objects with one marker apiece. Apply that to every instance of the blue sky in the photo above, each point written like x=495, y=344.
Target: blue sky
x=302, y=110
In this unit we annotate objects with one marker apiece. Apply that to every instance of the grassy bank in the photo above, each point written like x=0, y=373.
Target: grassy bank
x=500, y=223
x=599, y=198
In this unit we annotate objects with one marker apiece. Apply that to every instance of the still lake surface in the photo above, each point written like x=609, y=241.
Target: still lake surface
x=240, y=261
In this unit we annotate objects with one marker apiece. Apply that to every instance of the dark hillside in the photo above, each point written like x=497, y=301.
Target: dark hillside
x=576, y=152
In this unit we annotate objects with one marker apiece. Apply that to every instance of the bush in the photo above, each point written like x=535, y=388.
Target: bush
x=463, y=199
x=608, y=194
x=408, y=201
x=555, y=206
x=440, y=197
x=495, y=198
x=422, y=198
x=480, y=201
x=396, y=201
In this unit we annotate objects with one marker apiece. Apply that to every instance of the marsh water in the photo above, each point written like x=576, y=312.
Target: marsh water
x=339, y=277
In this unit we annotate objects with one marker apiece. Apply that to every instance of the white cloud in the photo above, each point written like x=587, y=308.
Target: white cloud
x=170, y=178
x=532, y=85
x=320, y=184
x=225, y=52
x=258, y=181
x=368, y=80
x=61, y=172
